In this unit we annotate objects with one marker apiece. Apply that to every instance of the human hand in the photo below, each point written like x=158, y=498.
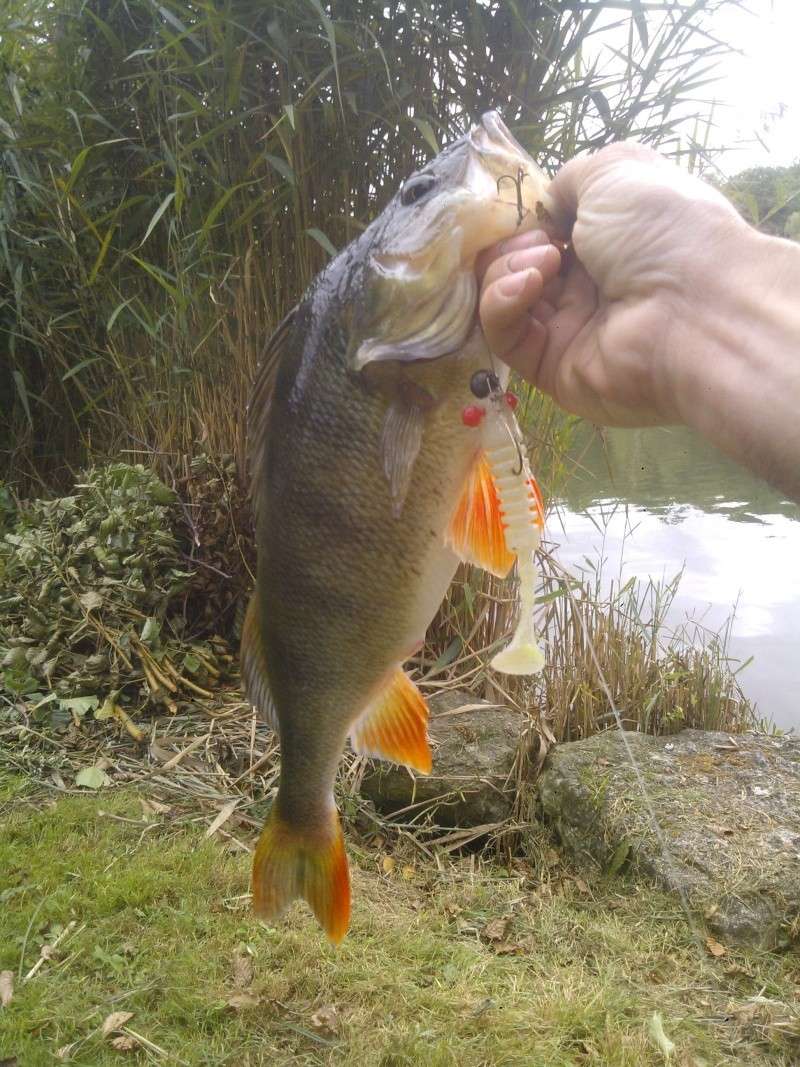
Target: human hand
x=603, y=326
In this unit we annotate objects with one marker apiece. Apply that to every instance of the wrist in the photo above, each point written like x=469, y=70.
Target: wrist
x=737, y=378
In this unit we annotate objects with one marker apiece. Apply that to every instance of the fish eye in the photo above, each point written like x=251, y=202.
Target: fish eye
x=415, y=188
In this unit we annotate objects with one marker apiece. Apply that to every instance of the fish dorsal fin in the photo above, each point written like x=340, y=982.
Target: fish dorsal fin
x=255, y=680
x=476, y=532
x=259, y=406
x=395, y=725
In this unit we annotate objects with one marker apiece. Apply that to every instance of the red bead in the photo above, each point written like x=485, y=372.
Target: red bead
x=511, y=400
x=472, y=415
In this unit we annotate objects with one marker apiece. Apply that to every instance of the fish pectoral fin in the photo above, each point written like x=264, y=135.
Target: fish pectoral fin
x=255, y=680
x=395, y=725
x=401, y=441
x=477, y=532
x=293, y=862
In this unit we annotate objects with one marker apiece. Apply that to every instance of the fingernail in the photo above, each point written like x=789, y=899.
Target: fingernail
x=528, y=257
x=513, y=284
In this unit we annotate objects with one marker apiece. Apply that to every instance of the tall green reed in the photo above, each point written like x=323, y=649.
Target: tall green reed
x=173, y=174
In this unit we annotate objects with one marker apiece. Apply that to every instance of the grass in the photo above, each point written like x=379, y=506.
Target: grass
x=459, y=962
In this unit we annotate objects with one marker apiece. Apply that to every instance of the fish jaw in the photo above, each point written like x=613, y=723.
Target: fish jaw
x=420, y=290
x=519, y=182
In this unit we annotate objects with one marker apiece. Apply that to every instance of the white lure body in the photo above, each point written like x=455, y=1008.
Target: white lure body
x=522, y=518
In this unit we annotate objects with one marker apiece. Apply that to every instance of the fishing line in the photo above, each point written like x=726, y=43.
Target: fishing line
x=654, y=823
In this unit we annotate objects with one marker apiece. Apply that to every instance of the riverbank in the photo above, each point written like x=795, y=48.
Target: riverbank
x=125, y=925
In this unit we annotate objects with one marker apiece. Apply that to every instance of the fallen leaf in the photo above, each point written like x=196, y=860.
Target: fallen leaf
x=388, y=864
x=735, y=968
x=656, y=1030
x=581, y=886
x=495, y=930
x=124, y=1043
x=92, y=778
x=408, y=873
x=6, y=988
x=508, y=948
x=222, y=817
x=714, y=947
x=744, y=1013
x=243, y=1001
x=154, y=807
x=242, y=967
x=91, y=600
x=326, y=1018
x=115, y=1021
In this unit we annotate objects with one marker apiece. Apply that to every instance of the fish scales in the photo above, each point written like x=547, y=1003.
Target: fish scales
x=359, y=465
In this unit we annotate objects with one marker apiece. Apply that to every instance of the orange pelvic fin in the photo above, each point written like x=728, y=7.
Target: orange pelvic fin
x=291, y=862
x=395, y=725
x=477, y=532
x=255, y=681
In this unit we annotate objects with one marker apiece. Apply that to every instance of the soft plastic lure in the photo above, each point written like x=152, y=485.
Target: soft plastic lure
x=519, y=506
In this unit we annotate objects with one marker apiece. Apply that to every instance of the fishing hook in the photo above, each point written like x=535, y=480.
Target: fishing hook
x=522, y=174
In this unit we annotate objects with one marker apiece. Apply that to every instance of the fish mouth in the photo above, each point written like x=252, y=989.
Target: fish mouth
x=502, y=159
x=491, y=137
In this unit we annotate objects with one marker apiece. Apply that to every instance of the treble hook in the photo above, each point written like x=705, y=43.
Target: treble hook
x=520, y=178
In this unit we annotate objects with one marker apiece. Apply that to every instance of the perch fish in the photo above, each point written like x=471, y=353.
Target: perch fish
x=383, y=449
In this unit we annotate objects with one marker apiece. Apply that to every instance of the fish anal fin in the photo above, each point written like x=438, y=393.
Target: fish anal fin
x=255, y=680
x=476, y=532
x=395, y=725
x=293, y=862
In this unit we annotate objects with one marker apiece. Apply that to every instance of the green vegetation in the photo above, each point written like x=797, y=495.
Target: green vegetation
x=769, y=198
x=463, y=962
x=172, y=175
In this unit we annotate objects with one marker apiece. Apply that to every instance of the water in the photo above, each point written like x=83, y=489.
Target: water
x=653, y=501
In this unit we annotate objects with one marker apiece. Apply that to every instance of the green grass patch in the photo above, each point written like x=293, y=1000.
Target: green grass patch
x=462, y=963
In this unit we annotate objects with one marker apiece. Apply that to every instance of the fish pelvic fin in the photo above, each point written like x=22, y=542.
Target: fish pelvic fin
x=395, y=725
x=293, y=862
x=255, y=680
x=477, y=532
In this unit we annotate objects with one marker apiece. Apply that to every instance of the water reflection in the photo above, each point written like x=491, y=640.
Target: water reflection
x=652, y=501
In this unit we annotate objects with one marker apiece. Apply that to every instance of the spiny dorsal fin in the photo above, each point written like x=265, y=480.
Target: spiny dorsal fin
x=395, y=725
x=476, y=532
x=255, y=681
x=260, y=401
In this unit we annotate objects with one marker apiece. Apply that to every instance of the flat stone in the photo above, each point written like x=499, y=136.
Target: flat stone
x=472, y=784
x=728, y=815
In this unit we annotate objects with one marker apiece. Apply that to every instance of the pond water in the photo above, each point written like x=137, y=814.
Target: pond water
x=653, y=501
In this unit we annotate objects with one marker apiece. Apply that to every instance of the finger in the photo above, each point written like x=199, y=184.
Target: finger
x=544, y=258
x=544, y=310
x=542, y=353
x=568, y=331
x=504, y=309
x=520, y=241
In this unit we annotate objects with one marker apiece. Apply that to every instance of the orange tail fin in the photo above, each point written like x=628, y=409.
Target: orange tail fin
x=312, y=864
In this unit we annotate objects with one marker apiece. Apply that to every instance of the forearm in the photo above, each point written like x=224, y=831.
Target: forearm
x=739, y=377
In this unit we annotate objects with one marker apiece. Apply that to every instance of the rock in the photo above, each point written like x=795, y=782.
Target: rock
x=475, y=747
x=728, y=809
